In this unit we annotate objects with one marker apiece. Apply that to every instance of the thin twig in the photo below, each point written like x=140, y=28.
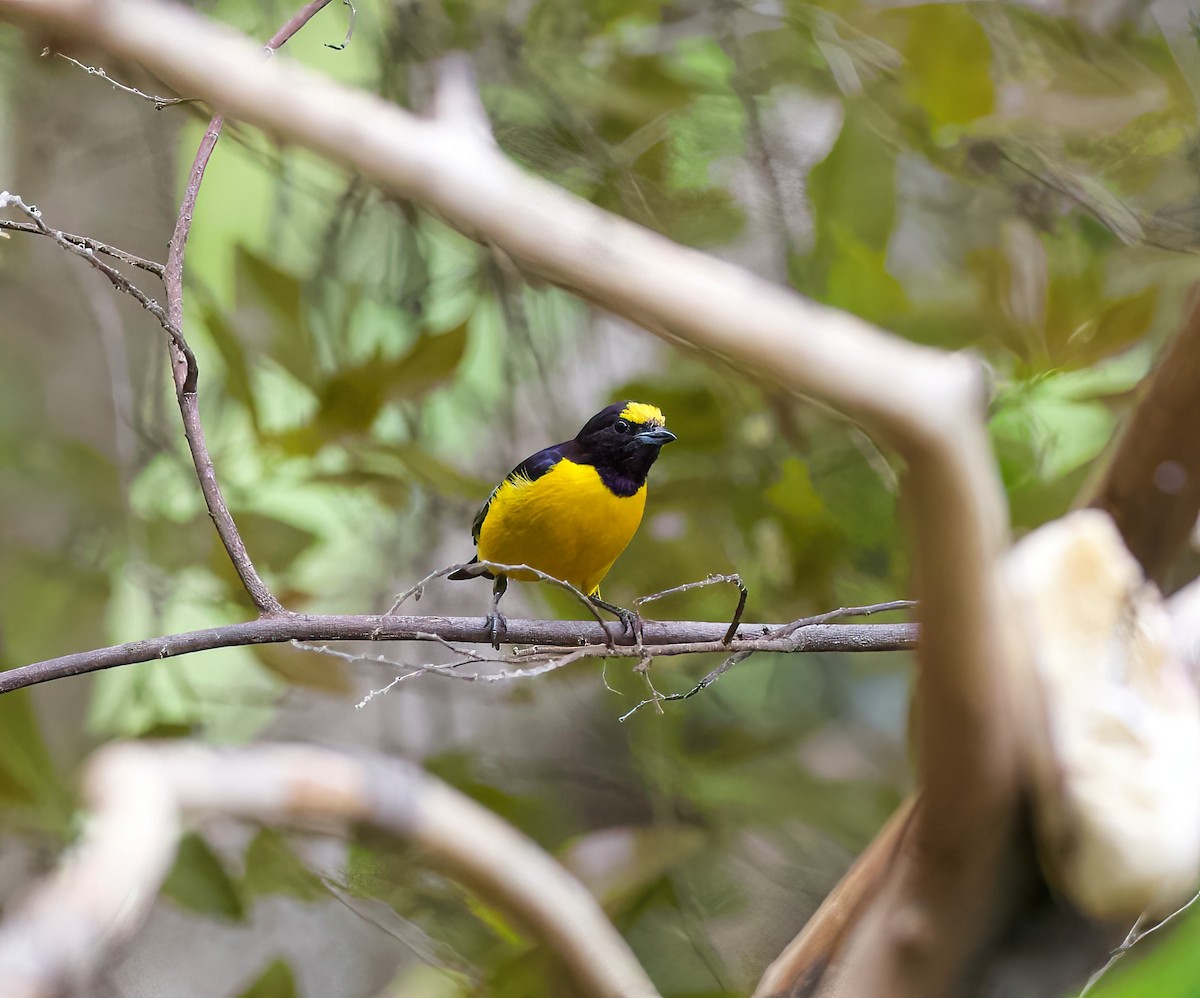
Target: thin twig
x=733, y=579
x=418, y=590
x=840, y=612
x=78, y=246
x=657, y=698
x=85, y=242
x=772, y=635
x=349, y=29
x=1134, y=936
x=158, y=102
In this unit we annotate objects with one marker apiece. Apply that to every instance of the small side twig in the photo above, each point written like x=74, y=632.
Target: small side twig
x=158, y=102
x=839, y=613
x=79, y=245
x=418, y=590
x=84, y=242
x=770, y=635
x=733, y=579
x=349, y=29
x=658, y=698
x=1136, y=935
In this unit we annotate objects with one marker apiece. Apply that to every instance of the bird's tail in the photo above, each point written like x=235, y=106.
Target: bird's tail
x=468, y=572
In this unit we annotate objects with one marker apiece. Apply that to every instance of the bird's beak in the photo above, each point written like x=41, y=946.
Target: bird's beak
x=658, y=436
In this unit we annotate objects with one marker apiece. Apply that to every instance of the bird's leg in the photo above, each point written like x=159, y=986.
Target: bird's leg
x=631, y=620
x=495, y=620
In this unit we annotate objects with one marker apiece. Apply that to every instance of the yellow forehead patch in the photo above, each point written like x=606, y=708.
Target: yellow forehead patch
x=642, y=413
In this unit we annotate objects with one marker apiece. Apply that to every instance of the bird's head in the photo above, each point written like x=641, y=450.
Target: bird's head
x=625, y=437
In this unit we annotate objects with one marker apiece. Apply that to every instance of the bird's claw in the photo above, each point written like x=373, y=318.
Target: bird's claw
x=496, y=622
x=631, y=623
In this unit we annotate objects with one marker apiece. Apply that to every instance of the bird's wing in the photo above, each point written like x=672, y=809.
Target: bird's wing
x=530, y=470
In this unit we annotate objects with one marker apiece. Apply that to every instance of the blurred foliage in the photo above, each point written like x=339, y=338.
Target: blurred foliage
x=990, y=177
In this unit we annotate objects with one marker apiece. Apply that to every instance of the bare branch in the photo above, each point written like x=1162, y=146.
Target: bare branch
x=158, y=102
x=341, y=46
x=712, y=580
x=1151, y=486
x=84, y=242
x=55, y=938
x=87, y=249
x=674, y=638
x=844, y=611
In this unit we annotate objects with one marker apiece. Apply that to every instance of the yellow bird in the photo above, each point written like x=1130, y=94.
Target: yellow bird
x=571, y=509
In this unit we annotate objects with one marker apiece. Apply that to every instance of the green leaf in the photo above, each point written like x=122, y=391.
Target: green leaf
x=279, y=297
x=351, y=399
x=237, y=372
x=28, y=779
x=1120, y=323
x=948, y=61
x=859, y=161
x=276, y=981
x=50, y=606
x=273, y=868
x=274, y=544
x=858, y=280
x=434, y=473
x=199, y=882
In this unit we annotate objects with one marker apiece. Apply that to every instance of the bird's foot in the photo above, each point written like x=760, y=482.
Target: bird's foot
x=631, y=623
x=496, y=622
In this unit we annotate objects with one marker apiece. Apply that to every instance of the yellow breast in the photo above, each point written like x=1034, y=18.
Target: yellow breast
x=566, y=523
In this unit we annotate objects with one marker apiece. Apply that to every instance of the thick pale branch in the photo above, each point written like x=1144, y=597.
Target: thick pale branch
x=54, y=940
x=666, y=638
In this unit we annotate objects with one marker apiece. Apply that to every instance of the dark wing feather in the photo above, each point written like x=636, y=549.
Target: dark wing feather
x=532, y=468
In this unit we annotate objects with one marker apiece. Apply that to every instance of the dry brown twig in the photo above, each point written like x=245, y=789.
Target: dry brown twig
x=53, y=940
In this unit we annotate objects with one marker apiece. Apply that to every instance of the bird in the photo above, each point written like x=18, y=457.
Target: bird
x=570, y=509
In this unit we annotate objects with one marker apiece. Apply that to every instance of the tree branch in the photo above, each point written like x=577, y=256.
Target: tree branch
x=183, y=362
x=54, y=939
x=84, y=242
x=87, y=249
x=1151, y=486
x=158, y=102
x=665, y=638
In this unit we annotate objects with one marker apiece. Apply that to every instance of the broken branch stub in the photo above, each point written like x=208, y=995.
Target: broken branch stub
x=1115, y=722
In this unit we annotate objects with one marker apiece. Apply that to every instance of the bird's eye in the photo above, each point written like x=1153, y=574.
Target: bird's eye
x=621, y=426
